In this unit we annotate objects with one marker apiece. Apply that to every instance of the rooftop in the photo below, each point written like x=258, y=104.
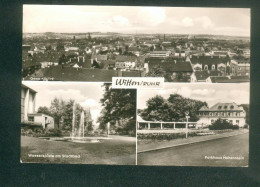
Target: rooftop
x=231, y=79
x=208, y=60
x=26, y=87
x=222, y=107
x=59, y=73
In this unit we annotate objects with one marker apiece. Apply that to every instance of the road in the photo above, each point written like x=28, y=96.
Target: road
x=209, y=153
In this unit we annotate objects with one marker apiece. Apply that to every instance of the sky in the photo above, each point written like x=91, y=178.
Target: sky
x=210, y=93
x=134, y=19
x=84, y=93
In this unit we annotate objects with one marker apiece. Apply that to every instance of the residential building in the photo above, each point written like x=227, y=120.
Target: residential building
x=201, y=76
x=211, y=63
x=239, y=69
x=125, y=62
x=160, y=54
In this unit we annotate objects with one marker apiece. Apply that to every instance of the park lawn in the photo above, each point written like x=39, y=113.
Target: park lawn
x=114, y=151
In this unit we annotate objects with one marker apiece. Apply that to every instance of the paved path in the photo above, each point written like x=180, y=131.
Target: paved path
x=216, y=152
x=153, y=145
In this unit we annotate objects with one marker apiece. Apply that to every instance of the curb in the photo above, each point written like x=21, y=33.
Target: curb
x=150, y=150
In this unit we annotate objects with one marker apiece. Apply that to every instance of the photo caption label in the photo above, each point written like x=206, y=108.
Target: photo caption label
x=134, y=82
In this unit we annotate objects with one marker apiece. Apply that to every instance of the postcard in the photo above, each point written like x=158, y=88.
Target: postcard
x=135, y=85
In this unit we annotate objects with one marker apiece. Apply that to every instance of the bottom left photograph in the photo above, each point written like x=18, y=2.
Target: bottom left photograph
x=77, y=123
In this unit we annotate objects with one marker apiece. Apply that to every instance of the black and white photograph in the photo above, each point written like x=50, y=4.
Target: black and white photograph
x=96, y=43
x=77, y=123
x=194, y=125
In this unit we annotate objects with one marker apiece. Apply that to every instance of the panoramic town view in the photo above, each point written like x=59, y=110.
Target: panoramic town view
x=193, y=109
x=129, y=50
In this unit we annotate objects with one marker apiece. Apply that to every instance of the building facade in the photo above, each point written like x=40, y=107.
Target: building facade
x=28, y=97
x=227, y=111
x=28, y=112
x=47, y=122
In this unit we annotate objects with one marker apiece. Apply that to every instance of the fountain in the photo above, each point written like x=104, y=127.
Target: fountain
x=78, y=128
x=78, y=131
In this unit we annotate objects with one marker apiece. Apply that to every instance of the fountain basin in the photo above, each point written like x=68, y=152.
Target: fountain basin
x=77, y=139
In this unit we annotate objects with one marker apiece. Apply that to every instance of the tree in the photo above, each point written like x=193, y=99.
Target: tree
x=44, y=110
x=62, y=59
x=119, y=107
x=57, y=109
x=60, y=47
x=67, y=121
x=221, y=124
x=171, y=109
x=95, y=64
x=157, y=109
x=246, y=108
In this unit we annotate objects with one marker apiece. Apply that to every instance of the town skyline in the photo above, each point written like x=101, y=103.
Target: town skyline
x=141, y=20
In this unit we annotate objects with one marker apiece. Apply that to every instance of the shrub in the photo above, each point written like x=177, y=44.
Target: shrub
x=53, y=132
x=221, y=124
x=246, y=126
x=166, y=136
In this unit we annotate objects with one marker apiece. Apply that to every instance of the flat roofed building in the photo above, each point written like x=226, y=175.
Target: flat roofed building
x=28, y=97
x=160, y=53
x=42, y=119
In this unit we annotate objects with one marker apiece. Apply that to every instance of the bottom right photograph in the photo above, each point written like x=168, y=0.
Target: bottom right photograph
x=194, y=125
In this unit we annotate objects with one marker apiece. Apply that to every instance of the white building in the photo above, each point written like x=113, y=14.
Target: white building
x=160, y=53
x=42, y=119
x=227, y=111
x=28, y=113
x=28, y=97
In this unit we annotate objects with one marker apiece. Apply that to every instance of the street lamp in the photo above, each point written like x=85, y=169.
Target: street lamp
x=187, y=120
x=108, y=127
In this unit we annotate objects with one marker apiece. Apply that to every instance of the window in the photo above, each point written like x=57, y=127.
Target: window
x=30, y=118
x=206, y=67
x=225, y=107
x=212, y=121
x=213, y=67
x=231, y=107
x=219, y=107
x=237, y=122
x=231, y=121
